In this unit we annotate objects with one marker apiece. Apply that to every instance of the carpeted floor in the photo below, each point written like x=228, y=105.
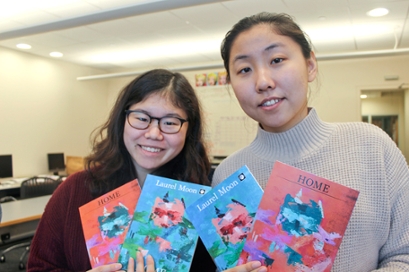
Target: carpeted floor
x=12, y=258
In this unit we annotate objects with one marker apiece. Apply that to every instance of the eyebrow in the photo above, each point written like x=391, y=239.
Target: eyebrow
x=166, y=115
x=270, y=47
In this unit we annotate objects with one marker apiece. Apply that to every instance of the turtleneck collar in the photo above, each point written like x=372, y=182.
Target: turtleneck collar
x=290, y=145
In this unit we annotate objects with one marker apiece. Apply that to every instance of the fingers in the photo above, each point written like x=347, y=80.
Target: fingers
x=140, y=265
x=150, y=264
x=107, y=268
x=254, y=266
x=131, y=265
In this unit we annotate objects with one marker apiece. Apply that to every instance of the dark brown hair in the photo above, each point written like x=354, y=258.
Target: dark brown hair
x=281, y=23
x=110, y=164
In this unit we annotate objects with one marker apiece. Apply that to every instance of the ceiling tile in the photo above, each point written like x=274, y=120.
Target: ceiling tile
x=73, y=9
x=242, y=8
x=34, y=18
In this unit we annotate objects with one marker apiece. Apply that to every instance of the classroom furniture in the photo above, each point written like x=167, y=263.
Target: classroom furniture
x=37, y=186
x=11, y=186
x=31, y=189
x=20, y=218
x=21, y=265
x=74, y=164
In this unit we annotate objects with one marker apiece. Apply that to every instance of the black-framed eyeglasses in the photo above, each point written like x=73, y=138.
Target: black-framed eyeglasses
x=167, y=124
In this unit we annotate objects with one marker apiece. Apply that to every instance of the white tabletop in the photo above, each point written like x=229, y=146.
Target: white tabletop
x=15, y=212
x=10, y=183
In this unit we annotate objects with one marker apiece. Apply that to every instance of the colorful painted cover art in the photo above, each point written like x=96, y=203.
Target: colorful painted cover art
x=223, y=218
x=160, y=226
x=105, y=222
x=300, y=221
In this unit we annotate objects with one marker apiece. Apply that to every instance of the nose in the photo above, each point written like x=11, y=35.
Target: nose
x=153, y=131
x=264, y=80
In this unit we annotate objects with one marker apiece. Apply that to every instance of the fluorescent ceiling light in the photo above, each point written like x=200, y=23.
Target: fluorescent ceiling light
x=150, y=52
x=363, y=96
x=368, y=30
x=23, y=46
x=329, y=33
x=341, y=33
x=56, y=54
x=377, y=12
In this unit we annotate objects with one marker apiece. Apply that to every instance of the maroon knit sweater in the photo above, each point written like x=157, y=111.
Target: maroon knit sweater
x=59, y=244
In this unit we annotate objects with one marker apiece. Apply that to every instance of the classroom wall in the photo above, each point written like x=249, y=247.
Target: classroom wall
x=405, y=149
x=44, y=109
x=391, y=104
x=335, y=94
x=338, y=98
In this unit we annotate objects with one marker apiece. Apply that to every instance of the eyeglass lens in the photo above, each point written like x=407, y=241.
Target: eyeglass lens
x=140, y=120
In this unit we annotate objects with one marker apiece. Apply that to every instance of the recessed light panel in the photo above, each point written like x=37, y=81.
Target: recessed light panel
x=378, y=12
x=23, y=46
x=56, y=54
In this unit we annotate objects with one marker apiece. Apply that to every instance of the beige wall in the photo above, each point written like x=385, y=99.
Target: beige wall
x=406, y=126
x=336, y=93
x=338, y=99
x=44, y=109
x=393, y=104
x=342, y=80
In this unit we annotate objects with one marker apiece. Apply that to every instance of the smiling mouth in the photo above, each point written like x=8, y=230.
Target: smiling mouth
x=271, y=102
x=151, y=149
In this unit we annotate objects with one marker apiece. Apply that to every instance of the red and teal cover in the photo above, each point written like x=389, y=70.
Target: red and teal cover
x=224, y=216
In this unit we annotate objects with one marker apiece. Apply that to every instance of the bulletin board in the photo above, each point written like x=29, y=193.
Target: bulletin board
x=228, y=128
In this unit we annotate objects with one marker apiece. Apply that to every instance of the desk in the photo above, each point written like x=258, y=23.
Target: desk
x=11, y=186
x=21, y=217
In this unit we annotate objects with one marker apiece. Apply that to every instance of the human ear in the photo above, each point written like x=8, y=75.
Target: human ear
x=312, y=67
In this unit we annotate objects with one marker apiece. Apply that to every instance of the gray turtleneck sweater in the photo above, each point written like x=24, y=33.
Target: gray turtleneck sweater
x=358, y=155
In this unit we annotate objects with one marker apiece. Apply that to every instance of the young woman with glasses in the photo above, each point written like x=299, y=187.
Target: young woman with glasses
x=155, y=127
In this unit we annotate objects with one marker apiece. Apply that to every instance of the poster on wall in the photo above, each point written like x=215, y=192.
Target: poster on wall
x=211, y=79
x=227, y=127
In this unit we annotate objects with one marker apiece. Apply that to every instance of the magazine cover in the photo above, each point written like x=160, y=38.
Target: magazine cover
x=300, y=222
x=225, y=215
x=160, y=226
x=105, y=222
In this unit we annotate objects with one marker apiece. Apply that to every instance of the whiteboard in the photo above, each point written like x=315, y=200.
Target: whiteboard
x=227, y=127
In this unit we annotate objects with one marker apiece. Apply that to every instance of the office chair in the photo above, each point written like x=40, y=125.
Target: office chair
x=37, y=186
x=32, y=187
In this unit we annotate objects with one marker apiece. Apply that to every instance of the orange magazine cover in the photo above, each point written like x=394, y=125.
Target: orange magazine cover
x=300, y=221
x=105, y=222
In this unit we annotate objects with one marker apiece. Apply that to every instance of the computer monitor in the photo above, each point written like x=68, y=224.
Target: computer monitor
x=56, y=162
x=6, y=166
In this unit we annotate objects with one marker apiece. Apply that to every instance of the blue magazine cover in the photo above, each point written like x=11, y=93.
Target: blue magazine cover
x=160, y=226
x=224, y=216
